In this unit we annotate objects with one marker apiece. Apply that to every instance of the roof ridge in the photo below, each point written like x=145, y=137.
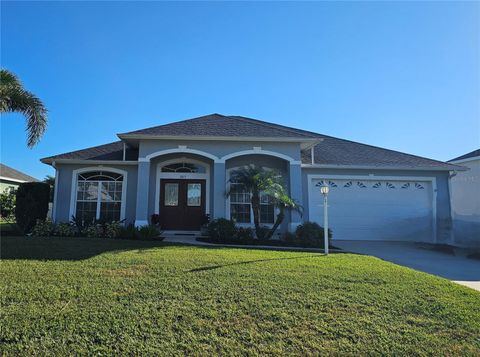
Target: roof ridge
x=273, y=125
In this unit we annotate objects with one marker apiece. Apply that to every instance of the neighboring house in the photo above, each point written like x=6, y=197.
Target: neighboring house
x=181, y=171
x=11, y=178
x=466, y=200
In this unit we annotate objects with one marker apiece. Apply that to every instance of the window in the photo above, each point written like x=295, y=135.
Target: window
x=99, y=196
x=183, y=167
x=240, y=206
x=171, y=194
x=194, y=194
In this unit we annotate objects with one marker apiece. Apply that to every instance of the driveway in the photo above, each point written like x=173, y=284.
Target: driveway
x=458, y=269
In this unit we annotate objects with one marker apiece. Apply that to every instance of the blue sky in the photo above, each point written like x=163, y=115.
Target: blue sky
x=402, y=75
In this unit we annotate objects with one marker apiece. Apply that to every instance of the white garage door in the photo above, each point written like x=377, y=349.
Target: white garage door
x=373, y=209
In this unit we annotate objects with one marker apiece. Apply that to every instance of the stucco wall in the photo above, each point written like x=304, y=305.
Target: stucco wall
x=466, y=205
x=64, y=190
x=4, y=184
x=444, y=221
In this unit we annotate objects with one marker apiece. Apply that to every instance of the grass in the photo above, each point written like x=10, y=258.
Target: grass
x=93, y=296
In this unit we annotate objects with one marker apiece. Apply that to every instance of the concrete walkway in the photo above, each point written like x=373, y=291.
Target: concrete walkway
x=458, y=269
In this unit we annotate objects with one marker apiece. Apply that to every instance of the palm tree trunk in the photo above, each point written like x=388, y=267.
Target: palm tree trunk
x=256, y=214
x=278, y=221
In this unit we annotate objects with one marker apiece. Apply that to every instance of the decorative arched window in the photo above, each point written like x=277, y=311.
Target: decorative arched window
x=184, y=167
x=99, y=196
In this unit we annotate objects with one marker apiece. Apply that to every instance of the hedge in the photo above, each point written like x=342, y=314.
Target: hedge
x=32, y=204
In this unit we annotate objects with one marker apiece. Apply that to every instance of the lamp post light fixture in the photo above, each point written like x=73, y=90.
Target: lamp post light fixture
x=324, y=191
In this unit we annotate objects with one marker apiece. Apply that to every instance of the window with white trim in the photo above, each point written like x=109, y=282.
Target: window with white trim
x=241, y=207
x=99, y=196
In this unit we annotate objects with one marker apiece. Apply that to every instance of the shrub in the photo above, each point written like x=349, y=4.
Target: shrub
x=245, y=234
x=31, y=204
x=155, y=219
x=112, y=229
x=289, y=237
x=7, y=203
x=92, y=231
x=262, y=233
x=65, y=230
x=128, y=232
x=310, y=234
x=148, y=232
x=221, y=230
x=42, y=229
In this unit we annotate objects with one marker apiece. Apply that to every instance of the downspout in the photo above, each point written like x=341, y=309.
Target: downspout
x=124, y=151
x=451, y=175
x=312, y=154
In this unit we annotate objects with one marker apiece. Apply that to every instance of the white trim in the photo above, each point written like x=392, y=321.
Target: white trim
x=13, y=180
x=55, y=194
x=468, y=159
x=180, y=149
x=360, y=167
x=140, y=223
x=73, y=193
x=371, y=177
x=182, y=176
x=260, y=152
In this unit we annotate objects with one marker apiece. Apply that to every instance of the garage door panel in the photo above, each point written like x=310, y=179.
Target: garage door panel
x=375, y=209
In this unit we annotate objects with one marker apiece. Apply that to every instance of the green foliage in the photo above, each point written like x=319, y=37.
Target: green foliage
x=221, y=230
x=50, y=180
x=112, y=229
x=7, y=204
x=82, y=296
x=128, y=232
x=65, y=230
x=244, y=234
x=310, y=234
x=92, y=231
x=148, y=232
x=31, y=204
x=43, y=228
x=15, y=98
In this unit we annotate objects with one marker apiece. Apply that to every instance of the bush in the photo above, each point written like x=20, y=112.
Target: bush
x=221, y=230
x=245, y=234
x=92, y=231
x=310, y=234
x=31, y=204
x=7, y=203
x=148, y=232
x=128, y=232
x=65, y=230
x=42, y=229
x=112, y=229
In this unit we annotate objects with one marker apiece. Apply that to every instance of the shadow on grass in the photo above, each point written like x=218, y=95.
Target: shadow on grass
x=212, y=267
x=55, y=248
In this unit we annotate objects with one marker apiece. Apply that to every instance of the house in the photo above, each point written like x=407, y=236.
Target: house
x=11, y=178
x=181, y=171
x=466, y=200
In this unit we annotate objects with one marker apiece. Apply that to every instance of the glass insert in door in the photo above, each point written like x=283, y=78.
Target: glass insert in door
x=194, y=194
x=171, y=194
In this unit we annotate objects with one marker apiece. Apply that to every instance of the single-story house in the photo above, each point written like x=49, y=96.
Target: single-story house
x=466, y=200
x=181, y=171
x=11, y=178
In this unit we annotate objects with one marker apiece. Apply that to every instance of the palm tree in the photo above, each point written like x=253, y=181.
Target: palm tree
x=257, y=181
x=283, y=202
x=15, y=98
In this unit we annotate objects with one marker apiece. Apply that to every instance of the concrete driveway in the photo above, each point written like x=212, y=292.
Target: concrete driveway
x=458, y=269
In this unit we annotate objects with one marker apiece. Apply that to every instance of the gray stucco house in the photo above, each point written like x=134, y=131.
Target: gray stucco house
x=11, y=178
x=181, y=172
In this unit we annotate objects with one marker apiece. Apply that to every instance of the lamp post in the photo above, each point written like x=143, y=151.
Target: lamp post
x=324, y=190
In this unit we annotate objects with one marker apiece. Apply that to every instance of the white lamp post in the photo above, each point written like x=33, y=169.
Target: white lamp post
x=324, y=190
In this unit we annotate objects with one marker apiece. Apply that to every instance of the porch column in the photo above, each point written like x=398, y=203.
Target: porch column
x=295, y=171
x=141, y=216
x=219, y=190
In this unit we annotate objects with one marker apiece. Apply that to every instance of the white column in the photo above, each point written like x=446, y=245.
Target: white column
x=219, y=190
x=295, y=172
x=141, y=216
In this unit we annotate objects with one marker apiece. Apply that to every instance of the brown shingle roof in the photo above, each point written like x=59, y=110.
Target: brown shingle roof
x=8, y=172
x=474, y=153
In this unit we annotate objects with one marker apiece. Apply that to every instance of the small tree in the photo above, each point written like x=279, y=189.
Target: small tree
x=32, y=204
x=7, y=203
x=257, y=180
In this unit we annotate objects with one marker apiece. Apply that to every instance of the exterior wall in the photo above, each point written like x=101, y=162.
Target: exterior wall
x=4, y=184
x=64, y=190
x=444, y=221
x=466, y=204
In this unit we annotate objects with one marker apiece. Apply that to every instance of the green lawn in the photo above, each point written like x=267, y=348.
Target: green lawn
x=93, y=296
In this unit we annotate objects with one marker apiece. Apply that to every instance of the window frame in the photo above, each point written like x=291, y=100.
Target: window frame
x=74, y=189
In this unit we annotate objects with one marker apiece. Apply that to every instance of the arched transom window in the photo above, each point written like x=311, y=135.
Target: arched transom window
x=99, y=196
x=184, y=167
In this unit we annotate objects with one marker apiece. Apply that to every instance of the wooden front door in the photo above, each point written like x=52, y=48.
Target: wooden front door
x=182, y=204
